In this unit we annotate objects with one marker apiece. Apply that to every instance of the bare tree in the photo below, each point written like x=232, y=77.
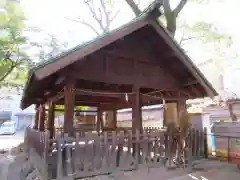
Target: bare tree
x=101, y=13
x=170, y=14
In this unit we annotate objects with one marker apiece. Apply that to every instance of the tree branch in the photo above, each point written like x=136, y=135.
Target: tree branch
x=87, y=24
x=10, y=69
x=166, y=6
x=100, y=13
x=134, y=7
x=94, y=15
x=14, y=64
x=181, y=40
x=91, y=27
x=179, y=7
x=106, y=16
x=189, y=38
x=114, y=16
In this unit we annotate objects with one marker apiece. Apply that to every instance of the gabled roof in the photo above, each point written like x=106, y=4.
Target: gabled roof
x=145, y=19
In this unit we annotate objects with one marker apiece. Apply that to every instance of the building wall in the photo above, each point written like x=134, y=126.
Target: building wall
x=154, y=118
x=24, y=121
x=146, y=123
x=196, y=121
x=151, y=118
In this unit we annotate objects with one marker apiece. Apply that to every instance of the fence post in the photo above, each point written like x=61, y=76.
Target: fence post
x=205, y=144
x=26, y=142
x=46, y=146
x=69, y=170
x=189, y=151
x=169, y=149
x=45, y=155
x=59, y=158
x=228, y=153
x=137, y=147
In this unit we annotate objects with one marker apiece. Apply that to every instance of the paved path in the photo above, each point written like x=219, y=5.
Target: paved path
x=212, y=170
x=9, y=141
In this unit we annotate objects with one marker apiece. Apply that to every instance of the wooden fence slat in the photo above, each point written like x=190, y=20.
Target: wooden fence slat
x=113, y=151
x=106, y=162
x=190, y=150
x=68, y=158
x=59, y=157
x=137, y=147
x=205, y=144
x=121, y=158
x=193, y=142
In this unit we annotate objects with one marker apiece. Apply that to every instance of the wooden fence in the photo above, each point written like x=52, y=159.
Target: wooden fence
x=89, y=154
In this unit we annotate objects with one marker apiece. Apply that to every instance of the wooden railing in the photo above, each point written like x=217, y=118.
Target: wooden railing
x=89, y=154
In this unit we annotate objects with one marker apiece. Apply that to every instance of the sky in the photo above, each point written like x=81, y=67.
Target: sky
x=54, y=16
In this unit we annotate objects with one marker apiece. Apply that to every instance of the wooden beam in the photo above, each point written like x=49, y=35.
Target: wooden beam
x=129, y=55
x=196, y=91
x=62, y=110
x=88, y=92
x=58, y=96
x=42, y=118
x=121, y=72
x=36, y=118
x=69, y=102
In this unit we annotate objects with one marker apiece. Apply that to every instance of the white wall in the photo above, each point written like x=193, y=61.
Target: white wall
x=11, y=102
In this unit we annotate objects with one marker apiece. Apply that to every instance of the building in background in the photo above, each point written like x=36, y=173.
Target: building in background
x=10, y=111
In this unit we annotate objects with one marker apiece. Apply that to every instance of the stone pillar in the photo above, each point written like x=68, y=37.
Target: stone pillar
x=42, y=118
x=36, y=118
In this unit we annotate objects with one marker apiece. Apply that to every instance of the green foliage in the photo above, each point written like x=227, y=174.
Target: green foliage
x=207, y=32
x=49, y=47
x=80, y=108
x=12, y=56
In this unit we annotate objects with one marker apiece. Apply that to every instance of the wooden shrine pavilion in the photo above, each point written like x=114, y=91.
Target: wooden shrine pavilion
x=135, y=65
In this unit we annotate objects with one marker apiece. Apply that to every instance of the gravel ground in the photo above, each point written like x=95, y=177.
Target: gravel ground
x=210, y=170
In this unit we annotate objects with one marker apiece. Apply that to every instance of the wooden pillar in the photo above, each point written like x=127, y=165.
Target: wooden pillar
x=69, y=100
x=183, y=118
x=42, y=118
x=36, y=118
x=137, y=111
x=99, y=114
x=170, y=114
x=114, y=120
x=110, y=118
x=51, y=117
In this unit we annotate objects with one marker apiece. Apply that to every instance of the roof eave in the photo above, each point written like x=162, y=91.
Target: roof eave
x=26, y=88
x=211, y=92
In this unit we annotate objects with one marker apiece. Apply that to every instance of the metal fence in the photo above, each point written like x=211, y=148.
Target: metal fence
x=224, y=147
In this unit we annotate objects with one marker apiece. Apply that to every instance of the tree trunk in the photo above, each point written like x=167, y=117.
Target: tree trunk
x=171, y=23
x=134, y=7
x=170, y=15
